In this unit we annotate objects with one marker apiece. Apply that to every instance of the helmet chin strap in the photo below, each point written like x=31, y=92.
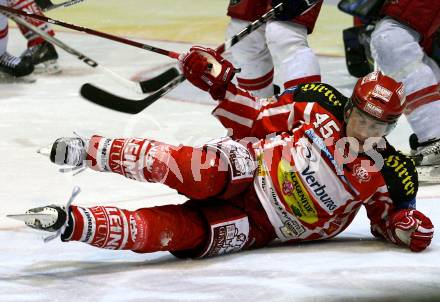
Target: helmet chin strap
x=348, y=109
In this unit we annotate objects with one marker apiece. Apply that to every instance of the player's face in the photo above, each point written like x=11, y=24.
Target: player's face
x=362, y=127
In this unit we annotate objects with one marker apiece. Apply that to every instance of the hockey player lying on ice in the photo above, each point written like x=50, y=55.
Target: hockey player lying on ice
x=288, y=172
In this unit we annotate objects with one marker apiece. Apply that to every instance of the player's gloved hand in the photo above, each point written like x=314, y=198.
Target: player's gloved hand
x=206, y=69
x=292, y=8
x=412, y=228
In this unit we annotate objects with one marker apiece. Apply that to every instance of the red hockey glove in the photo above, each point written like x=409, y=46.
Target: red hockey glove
x=292, y=8
x=206, y=69
x=412, y=228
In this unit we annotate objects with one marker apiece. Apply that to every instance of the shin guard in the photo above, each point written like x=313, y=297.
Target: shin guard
x=164, y=228
x=198, y=173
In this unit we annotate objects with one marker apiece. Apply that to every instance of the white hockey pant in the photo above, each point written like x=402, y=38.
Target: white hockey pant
x=280, y=44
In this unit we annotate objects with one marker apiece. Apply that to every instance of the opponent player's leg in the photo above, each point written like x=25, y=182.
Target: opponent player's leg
x=253, y=58
x=41, y=53
x=222, y=168
x=251, y=55
x=10, y=66
x=396, y=50
x=295, y=62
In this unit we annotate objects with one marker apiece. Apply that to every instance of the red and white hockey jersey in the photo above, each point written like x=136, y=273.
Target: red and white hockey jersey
x=306, y=189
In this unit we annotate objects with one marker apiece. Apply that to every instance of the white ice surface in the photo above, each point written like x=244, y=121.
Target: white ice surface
x=351, y=267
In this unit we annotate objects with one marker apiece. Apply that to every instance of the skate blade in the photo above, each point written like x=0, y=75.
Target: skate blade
x=45, y=150
x=29, y=218
x=49, y=67
x=429, y=174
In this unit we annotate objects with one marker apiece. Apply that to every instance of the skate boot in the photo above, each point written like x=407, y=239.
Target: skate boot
x=51, y=218
x=427, y=158
x=427, y=153
x=70, y=151
x=44, y=4
x=44, y=57
x=14, y=68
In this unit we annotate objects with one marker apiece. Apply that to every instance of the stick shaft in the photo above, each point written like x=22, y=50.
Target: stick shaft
x=161, y=51
x=90, y=62
x=249, y=29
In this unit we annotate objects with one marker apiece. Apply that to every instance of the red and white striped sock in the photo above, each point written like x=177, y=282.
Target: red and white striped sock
x=261, y=86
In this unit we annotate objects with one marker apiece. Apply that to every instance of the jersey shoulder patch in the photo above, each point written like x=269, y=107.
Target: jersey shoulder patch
x=325, y=95
x=400, y=175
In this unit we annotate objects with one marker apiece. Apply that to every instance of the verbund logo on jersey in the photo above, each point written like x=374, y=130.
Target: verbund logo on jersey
x=318, y=189
x=318, y=177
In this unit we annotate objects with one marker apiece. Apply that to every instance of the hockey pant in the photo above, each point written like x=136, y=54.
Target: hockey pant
x=30, y=6
x=222, y=216
x=280, y=44
x=397, y=52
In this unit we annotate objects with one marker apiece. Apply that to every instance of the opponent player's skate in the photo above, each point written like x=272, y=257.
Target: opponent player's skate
x=44, y=4
x=15, y=69
x=44, y=57
x=51, y=218
x=427, y=158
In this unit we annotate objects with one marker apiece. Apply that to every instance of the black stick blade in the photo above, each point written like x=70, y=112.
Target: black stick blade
x=159, y=81
x=108, y=100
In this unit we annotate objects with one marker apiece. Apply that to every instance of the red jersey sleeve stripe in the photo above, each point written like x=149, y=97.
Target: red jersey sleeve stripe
x=219, y=112
x=271, y=112
x=238, y=109
x=242, y=99
x=307, y=112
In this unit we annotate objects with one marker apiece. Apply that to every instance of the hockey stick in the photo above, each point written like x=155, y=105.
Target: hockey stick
x=249, y=29
x=157, y=82
x=47, y=5
x=93, y=32
x=147, y=86
x=142, y=87
x=114, y=102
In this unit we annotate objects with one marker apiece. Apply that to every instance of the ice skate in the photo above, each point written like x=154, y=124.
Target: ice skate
x=67, y=151
x=427, y=158
x=15, y=69
x=427, y=153
x=44, y=4
x=44, y=57
x=51, y=218
x=70, y=151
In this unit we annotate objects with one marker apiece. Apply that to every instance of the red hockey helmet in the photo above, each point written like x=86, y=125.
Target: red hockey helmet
x=380, y=97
